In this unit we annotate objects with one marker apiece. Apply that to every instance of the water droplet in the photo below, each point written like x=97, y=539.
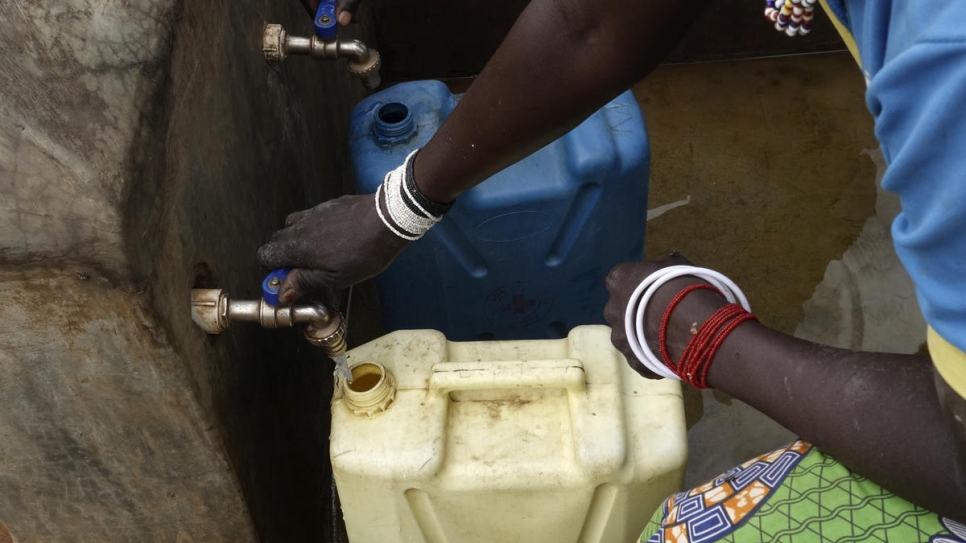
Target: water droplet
x=342, y=367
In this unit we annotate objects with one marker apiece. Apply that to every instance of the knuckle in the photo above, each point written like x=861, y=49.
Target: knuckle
x=266, y=254
x=293, y=218
x=676, y=258
x=615, y=275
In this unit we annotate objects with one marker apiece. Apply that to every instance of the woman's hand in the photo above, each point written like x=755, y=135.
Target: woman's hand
x=335, y=244
x=695, y=308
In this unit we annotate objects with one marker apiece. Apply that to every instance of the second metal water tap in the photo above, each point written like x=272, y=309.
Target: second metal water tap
x=363, y=62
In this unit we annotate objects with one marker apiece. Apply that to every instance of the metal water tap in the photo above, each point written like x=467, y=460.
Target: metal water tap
x=363, y=62
x=214, y=311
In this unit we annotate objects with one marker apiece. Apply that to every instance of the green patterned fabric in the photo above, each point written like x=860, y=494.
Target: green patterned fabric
x=814, y=499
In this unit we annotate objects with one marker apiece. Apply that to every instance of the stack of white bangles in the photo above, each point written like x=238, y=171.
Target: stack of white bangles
x=637, y=306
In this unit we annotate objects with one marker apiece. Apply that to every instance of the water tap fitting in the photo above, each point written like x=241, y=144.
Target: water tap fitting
x=363, y=62
x=214, y=311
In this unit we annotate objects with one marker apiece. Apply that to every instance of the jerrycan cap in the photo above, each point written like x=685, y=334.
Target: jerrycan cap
x=394, y=123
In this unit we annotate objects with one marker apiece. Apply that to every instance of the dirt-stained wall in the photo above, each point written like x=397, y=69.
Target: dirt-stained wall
x=100, y=436
x=147, y=148
x=245, y=144
x=74, y=78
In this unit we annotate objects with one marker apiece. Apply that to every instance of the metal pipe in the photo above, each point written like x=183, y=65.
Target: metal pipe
x=352, y=49
x=363, y=62
x=314, y=312
x=295, y=45
x=214, y=311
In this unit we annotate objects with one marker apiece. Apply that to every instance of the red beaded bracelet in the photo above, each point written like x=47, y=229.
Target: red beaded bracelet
x=666, y=318
x=701, y=349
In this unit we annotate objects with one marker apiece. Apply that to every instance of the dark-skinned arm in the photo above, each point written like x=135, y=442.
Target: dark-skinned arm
x=561, y=61
x=879, y=414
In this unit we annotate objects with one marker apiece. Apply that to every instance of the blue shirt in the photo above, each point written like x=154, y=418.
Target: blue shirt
x=913, y=54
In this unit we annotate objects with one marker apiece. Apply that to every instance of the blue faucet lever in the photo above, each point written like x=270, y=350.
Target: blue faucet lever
x=326, y=25
x=272, y=283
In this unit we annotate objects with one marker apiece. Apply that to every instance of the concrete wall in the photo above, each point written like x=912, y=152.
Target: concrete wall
x=147, y=148
x=100, y=436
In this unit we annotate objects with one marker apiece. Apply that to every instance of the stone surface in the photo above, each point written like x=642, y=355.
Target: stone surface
x=244, y=144
x=75, y=81
x=867, y=301
x=147, y=142
x=769, y=152
x=100, y=439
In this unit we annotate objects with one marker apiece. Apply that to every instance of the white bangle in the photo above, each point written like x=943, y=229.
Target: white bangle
x=637, y=306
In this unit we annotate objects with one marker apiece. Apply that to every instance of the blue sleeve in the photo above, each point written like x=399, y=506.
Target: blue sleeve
x=918, y=99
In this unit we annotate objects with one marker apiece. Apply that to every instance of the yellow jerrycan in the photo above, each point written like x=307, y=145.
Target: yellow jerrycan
x=526, y=441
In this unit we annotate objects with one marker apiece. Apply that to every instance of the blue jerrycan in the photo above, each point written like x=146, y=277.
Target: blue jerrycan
x=524, y=254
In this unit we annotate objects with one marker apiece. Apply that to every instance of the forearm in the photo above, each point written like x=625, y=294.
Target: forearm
x=561, y=61
x=877, y=413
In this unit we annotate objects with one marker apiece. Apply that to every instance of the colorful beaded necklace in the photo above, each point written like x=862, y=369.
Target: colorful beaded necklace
x=793, y=17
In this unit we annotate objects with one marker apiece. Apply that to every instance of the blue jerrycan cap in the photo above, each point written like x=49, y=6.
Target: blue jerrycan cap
x=272, y=283
x=326, y=25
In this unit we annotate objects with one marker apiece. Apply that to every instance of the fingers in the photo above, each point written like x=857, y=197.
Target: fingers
x=289, y=247
x=345, y=10
x=621, y=282
x=623, y=273
x=615, y=307
x=675, y=258
x=295, y=217
x=299, y=283
x=625, y=277
x=619, y=339
x=286, y=249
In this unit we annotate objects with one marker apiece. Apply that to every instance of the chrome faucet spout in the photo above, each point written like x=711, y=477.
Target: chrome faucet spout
x=214, y=311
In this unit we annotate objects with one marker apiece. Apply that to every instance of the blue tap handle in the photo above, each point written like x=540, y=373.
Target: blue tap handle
x=326, y=25
x=272, y=283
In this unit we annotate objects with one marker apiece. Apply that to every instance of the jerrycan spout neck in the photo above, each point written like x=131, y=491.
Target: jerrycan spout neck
x=394, y=124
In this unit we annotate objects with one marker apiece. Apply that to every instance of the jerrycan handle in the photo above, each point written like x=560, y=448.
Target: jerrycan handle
x=507, y=375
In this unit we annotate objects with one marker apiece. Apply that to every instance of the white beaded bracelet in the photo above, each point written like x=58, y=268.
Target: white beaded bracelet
x=391, y=228
x=637, y=305
x=406, y=217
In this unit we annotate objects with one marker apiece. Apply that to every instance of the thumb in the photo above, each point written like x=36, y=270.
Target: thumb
x=345, y=9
